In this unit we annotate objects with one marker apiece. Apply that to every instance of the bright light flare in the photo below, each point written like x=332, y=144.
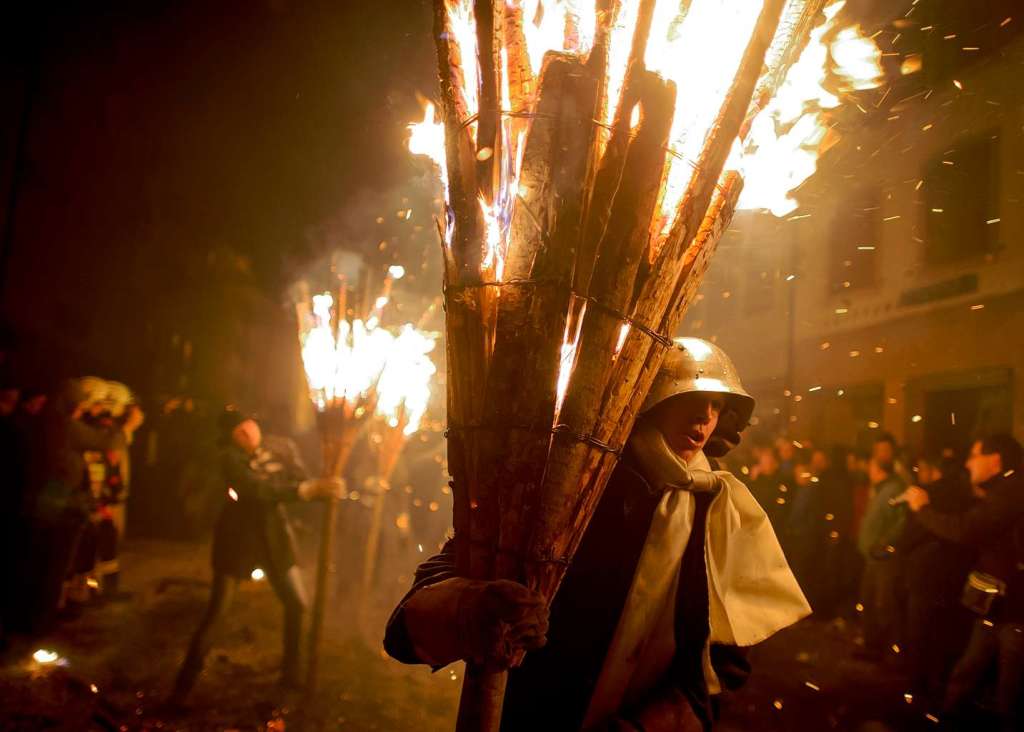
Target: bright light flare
x=257, y=574
x=45, y=656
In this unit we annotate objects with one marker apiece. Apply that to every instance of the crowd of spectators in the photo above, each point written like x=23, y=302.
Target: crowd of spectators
x=926, y=551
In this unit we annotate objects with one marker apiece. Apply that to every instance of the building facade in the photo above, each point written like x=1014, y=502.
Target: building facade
x=893, y=299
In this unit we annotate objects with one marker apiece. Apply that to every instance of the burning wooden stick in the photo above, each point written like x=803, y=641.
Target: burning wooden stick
x=343, y=361
x=584, y=196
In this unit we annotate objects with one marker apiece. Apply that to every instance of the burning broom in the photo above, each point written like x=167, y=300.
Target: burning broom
x=583, y=150
x=356, y=369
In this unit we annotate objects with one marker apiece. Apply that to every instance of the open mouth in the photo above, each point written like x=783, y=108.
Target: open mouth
x=694, y=438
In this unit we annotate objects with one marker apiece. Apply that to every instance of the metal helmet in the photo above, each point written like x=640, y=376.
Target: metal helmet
x=696, y=365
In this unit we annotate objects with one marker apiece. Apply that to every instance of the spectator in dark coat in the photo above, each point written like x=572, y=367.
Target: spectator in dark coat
x=934, y=569
x=994, y=527
x=253, y=532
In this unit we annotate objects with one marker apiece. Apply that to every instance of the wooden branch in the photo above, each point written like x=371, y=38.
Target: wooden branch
x=460, y=153
x=621, y=249
x=608, y=176
x=545, y=232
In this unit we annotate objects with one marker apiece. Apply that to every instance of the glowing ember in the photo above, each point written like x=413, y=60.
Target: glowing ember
x=45, y=656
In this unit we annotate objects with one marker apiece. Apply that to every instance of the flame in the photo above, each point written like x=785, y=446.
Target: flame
x=787, y=137
x=345, y=366
x=698, y=45
x=557, y=25
x=620, y=41
x=405, y=381
x=427, y=138
x=463, y=37
x=682, y=41
x=494, y=255
x=567, y=362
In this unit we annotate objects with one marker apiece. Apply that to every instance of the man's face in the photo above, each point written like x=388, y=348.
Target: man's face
x=687, y=421
x=819, y=462
x=983, y=467
x=785, y=448
x=883, y=451
x=247, y=435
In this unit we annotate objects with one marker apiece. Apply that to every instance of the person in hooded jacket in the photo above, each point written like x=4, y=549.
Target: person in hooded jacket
x=665, y=588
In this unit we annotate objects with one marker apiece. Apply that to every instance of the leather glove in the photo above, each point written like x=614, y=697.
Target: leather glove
x=321, y=488
x=489, y=623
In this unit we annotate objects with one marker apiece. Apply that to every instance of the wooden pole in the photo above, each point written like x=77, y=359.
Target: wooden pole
x=393, y=440
x=336, y=452
x=480, y=705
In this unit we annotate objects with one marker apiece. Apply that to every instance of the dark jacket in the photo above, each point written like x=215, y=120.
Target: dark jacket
x=553, y=687
x=995, y=528
x=935, y=567
x=253, y=529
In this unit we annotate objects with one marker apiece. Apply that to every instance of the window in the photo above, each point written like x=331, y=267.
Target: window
x=854, y=245
x=960, y=199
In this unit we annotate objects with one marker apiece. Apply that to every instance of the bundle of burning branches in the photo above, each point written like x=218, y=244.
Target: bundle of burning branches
x=361, y=376
x=587, y=153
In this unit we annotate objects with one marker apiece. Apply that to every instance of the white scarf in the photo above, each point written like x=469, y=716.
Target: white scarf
x=751, y=591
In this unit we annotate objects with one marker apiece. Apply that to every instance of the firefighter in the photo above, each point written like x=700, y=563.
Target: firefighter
x=665, y=587
x=252, y=533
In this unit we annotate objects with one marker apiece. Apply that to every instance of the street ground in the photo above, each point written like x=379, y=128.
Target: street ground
x=118, y=660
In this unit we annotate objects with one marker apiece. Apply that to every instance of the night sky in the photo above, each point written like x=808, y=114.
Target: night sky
x=176, y=150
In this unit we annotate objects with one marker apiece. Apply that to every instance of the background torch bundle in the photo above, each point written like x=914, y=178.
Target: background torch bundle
x=361, y=376
x=588, y=154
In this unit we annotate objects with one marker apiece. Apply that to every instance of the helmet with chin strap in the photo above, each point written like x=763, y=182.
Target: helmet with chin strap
x=697, y=365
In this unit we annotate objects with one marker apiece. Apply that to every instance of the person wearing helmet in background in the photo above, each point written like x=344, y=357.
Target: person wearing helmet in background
x=56, y=497
x=253, y=533
x=678, y=568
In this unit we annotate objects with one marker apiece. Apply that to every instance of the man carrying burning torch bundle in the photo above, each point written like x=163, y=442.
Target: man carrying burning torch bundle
x=678, y=568
x=253, y=533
